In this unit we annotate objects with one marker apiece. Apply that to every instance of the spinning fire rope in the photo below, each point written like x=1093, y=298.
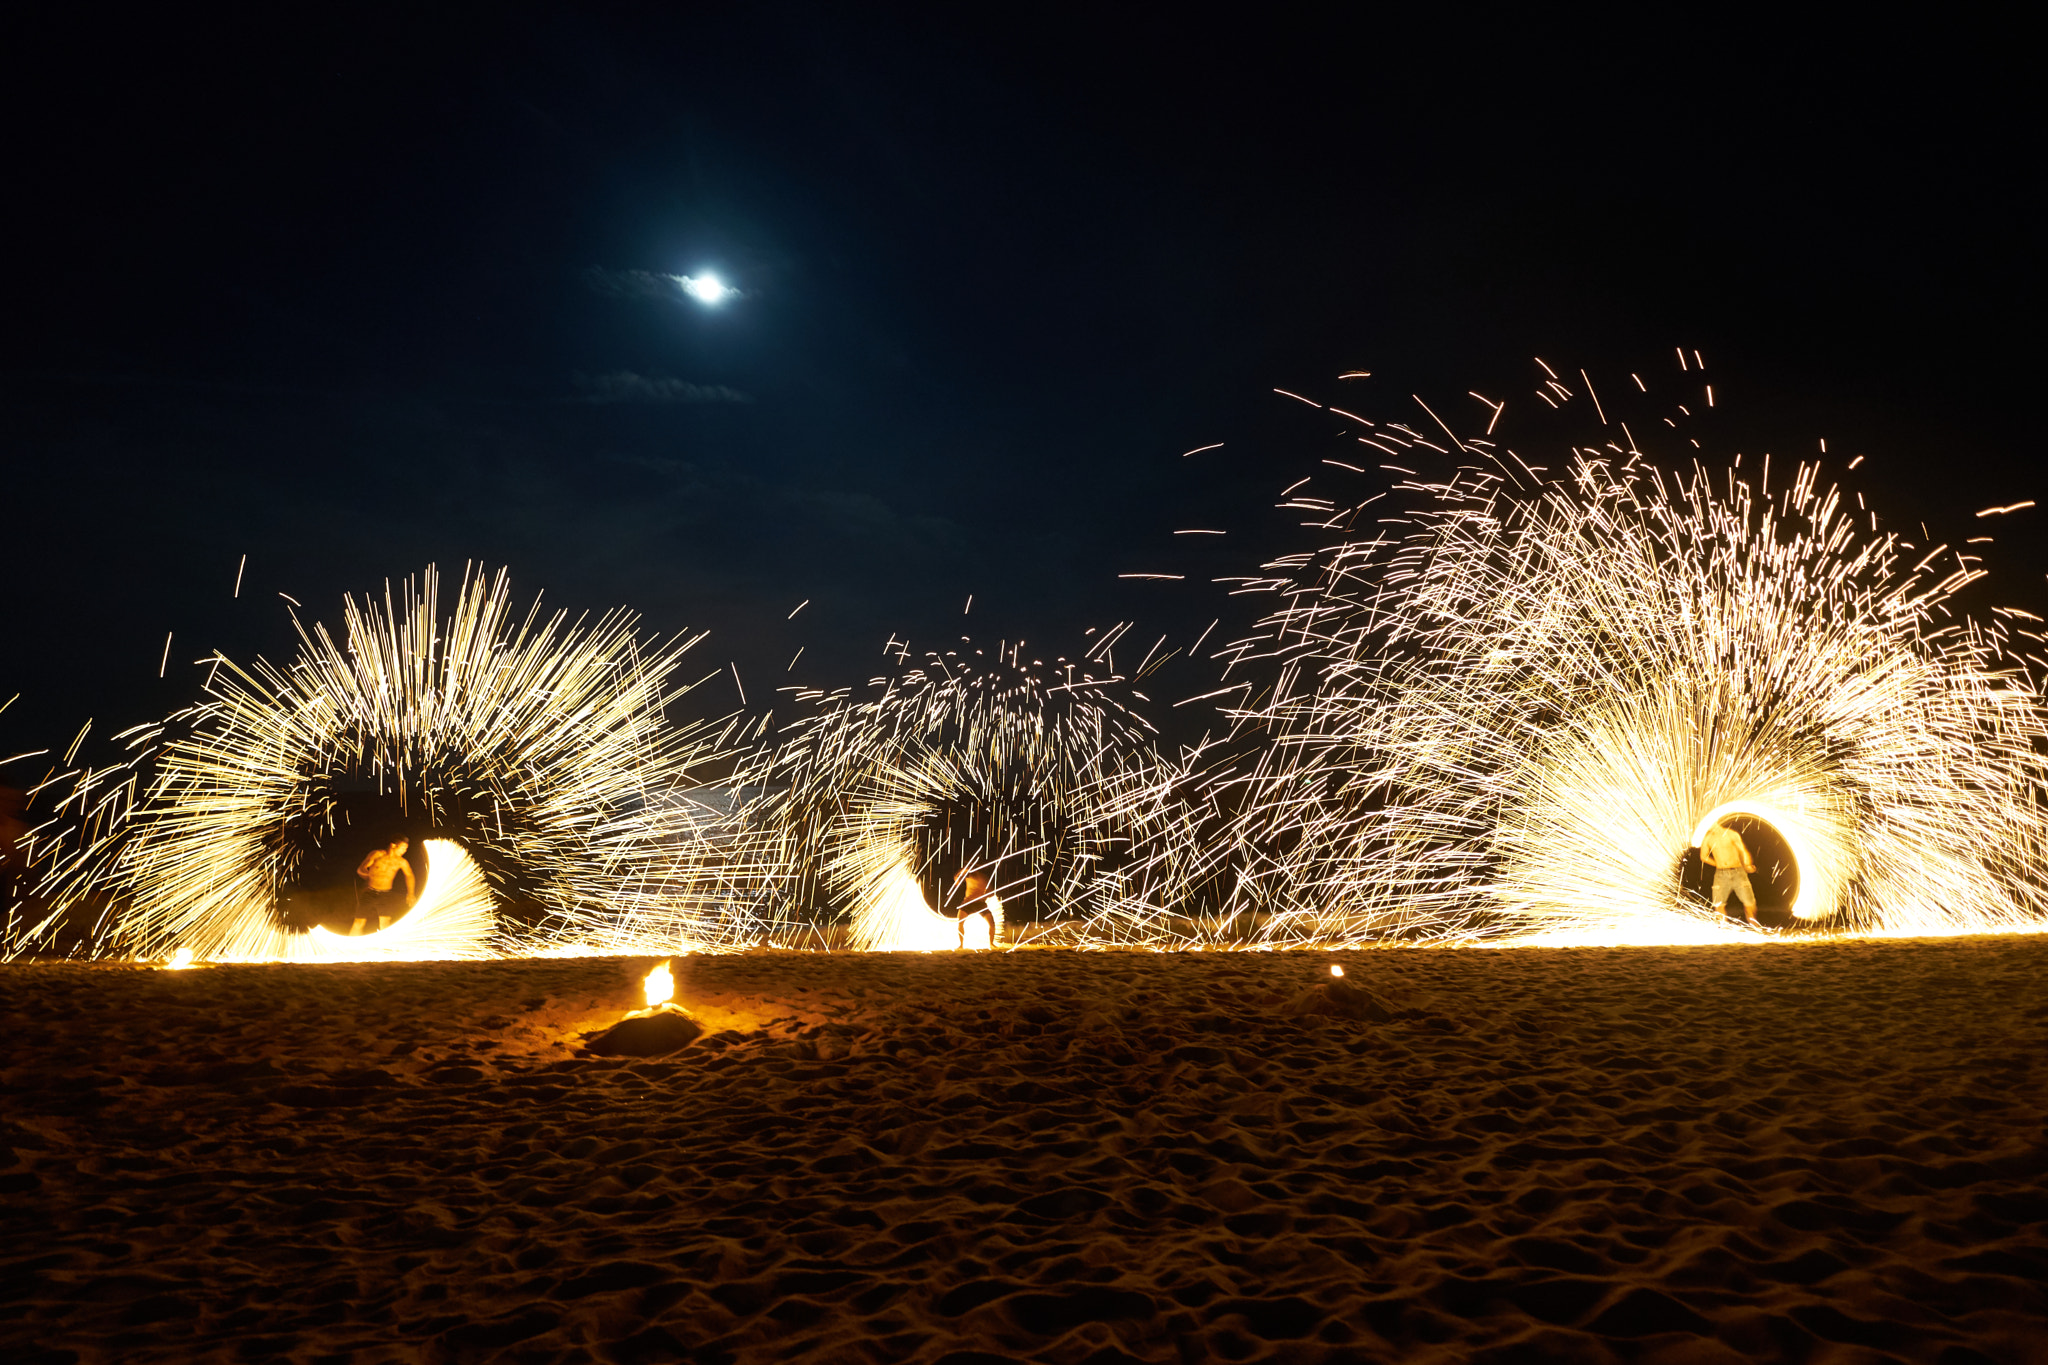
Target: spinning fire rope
x=453, y=918
x=1509, y=712
x=535, y=750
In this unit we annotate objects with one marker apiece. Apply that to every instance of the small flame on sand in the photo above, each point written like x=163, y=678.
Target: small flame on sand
x=1335, y=970
x=180, y=960
x=660, y=986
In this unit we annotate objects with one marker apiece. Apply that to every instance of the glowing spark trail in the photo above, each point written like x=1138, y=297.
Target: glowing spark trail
x=452, y=918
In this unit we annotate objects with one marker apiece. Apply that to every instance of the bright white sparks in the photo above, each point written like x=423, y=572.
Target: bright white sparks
x=1045, y=785
x=1504, y=707
x=1508, y=712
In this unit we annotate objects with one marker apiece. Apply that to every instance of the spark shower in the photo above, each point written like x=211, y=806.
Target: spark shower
x=1489, y=703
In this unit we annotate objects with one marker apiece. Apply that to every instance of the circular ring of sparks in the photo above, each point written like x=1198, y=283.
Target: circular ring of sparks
x=849, y=789
x=1501, y=720
x=1803, y=905
x=539, y=745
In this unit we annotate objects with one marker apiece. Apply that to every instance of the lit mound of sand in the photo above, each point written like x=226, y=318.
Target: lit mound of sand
x=1804, y=1153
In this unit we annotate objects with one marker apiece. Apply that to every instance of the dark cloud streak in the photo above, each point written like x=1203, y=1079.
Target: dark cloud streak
x=624, y=386
x=634, y=284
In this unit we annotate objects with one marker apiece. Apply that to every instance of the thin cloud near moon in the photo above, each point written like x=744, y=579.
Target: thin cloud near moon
x=624, y=386
x=707, y=288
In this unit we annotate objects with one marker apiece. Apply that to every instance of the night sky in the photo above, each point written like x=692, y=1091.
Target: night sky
x=358, y=298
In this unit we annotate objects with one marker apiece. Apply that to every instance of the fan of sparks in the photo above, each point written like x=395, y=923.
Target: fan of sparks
x=535, y=750
x=1042, y=783
x=1506, y=711
x=1509, y=711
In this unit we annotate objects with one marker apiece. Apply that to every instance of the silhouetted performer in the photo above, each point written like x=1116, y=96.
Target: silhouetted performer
x=379, y=870
x=973, y=890
x=1724, y=851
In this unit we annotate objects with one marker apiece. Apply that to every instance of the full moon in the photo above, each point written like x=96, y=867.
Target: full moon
x=705, y=288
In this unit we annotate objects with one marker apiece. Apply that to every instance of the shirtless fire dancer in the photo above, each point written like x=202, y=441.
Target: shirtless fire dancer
x=1724, y=851
x=973, y=889
x=379, y=870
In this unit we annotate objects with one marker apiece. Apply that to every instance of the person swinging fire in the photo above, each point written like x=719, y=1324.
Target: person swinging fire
x=1724, y=851
x=973, y=890
x=379, y=871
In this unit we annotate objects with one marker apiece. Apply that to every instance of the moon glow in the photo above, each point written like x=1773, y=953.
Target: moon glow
x=706, y=289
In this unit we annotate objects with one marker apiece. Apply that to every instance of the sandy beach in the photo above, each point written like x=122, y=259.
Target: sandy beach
x=1822, y=1152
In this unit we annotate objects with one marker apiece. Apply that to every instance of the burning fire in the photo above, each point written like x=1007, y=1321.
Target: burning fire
x=1335, y=970
x=660, y=986
x=180, y=960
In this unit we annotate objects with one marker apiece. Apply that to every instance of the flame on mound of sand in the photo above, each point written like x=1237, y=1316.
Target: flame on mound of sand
x=179, y=960
x=660, y=986
x=451, y=919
